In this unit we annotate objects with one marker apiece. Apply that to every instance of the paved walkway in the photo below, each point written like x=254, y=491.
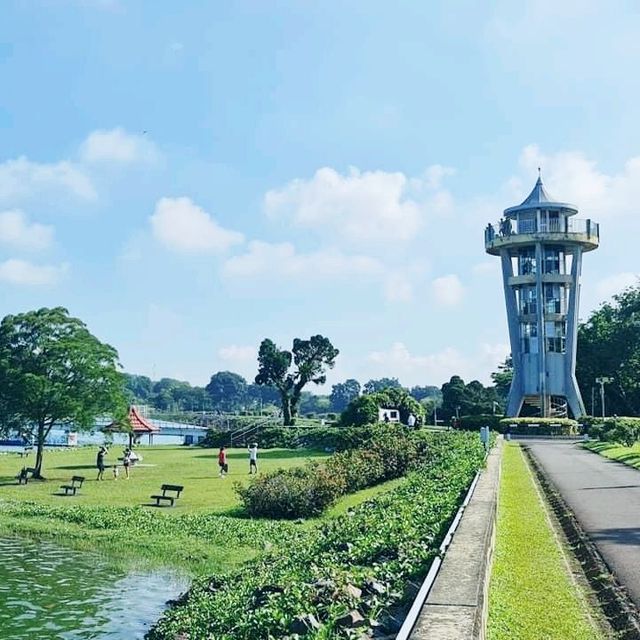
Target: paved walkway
x=605, y=497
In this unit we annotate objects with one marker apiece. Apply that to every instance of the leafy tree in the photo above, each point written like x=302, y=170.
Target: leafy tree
x=428, y=392
x=227, y=390
x=314, y=403
x=466, y=399
x=343, y=393
x=139, y=388
x=502, y=380
x=310, y=358
x=262, y=396
x=364, y=409
x=379, y=385
x=55, y=373
x=609, y=346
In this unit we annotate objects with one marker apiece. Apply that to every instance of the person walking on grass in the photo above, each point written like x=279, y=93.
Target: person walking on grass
x=253, y=458
x=126, y=461
x=222, y=462
x=102, y=452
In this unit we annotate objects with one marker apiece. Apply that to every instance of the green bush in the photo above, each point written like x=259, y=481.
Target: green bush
x=390, y=452
x=334, y=438
x=624, y=430
x=474, y=423
x=539, y=426
x=379, y=547
x=364, y=409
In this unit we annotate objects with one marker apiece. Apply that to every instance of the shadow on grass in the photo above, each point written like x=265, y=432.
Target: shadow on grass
x=73, y=467
x=599, y=447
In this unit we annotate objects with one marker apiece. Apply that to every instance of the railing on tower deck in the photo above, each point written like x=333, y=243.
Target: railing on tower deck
x=505, y=228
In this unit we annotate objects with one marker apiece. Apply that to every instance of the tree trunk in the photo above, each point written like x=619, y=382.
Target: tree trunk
x=287, y=417
x=42, y=434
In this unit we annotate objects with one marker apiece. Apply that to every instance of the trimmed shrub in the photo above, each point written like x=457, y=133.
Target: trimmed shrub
x=474, y=423
x=624, y=430
x=307, y=491
x=539, y=426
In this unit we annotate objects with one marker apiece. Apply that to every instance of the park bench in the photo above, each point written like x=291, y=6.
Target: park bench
x=23, y=476
x=76, y=483
x=167, y=489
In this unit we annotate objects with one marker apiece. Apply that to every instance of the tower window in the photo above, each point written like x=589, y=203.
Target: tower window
x=527, y=262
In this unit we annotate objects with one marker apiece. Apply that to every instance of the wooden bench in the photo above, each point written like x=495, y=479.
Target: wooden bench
x=76, y=483
x=23, y=476
x=168, y=488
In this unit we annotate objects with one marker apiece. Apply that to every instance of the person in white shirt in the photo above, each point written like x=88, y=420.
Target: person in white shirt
x=411, y=421
x=253, y=458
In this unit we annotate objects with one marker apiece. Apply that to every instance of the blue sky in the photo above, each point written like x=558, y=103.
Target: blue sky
x=189, y=178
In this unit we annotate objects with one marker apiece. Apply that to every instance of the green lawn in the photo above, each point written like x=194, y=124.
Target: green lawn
x=194, y=468
x=615, y=451
x=204, y=533
x=531, y=596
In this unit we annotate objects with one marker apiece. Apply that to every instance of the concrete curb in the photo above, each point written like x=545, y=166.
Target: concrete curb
x=457, y=605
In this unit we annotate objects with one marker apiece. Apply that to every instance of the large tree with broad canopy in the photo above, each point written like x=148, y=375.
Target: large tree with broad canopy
x=55, y=373
x=311, y=358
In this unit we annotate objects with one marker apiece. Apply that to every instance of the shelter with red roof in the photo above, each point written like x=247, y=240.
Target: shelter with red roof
x=139, y=426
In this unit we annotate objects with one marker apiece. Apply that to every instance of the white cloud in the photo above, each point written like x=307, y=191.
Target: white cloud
x=16, y=231
x=447, y=290
x=240, y=359
x=486, y=268
x=616, y=283
x=282, y=260
x=21, y=178
x=183, y=226
x=21, y=272
x=118, y=146
x=361, y=206
x=398, y=288
x=571, y=176
x=438, y=367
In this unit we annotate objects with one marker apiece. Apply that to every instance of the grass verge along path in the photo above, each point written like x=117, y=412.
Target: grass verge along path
x=532, y=595
x=617, y=452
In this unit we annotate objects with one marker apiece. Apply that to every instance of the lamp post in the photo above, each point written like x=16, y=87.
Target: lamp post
x=602, y=380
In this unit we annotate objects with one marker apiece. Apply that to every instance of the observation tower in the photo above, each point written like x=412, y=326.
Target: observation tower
x=540, y=244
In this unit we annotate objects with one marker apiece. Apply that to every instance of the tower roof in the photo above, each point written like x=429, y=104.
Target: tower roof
x=540, y=198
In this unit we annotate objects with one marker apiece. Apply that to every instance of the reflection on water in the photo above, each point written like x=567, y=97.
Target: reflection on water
x=47, y=591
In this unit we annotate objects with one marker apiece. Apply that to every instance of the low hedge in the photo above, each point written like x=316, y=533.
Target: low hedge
x=389, y=452
x=539, y=426
x=622, y=429
x=361, y=562
x=474, y=423
x=334, y=438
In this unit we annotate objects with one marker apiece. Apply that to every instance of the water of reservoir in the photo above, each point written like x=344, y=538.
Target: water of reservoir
x=48, y=591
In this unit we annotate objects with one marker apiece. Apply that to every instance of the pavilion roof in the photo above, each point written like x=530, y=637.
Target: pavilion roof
x=139, y=424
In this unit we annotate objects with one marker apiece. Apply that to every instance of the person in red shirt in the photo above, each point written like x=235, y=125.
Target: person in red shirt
x=222, y=462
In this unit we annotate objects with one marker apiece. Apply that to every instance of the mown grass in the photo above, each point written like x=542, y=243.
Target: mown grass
x=194, y=468
x=618, y=452
x=531, y=596
x=204, y=533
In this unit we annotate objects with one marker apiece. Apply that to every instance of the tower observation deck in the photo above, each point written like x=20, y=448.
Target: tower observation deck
x=540, y=244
